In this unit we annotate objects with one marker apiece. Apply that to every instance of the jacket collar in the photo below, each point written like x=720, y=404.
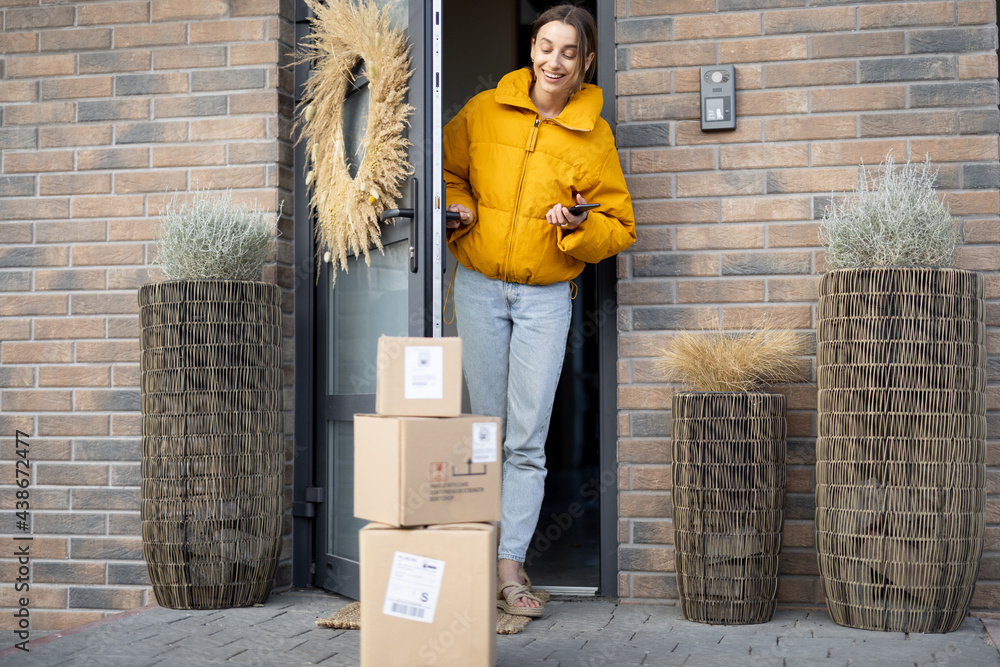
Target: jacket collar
x=581, y=113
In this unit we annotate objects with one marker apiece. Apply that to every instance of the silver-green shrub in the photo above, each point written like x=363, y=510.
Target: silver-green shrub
x=209, y=236
x=893, y=218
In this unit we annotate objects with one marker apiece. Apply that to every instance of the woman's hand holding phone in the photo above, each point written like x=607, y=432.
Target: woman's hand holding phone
x=568, y=218
x=580, y=208
x=465, y=216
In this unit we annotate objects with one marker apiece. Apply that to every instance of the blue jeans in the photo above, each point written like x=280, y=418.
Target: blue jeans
x=513, y=345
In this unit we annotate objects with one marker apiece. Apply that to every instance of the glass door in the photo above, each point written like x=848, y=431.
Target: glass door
x=398, y=294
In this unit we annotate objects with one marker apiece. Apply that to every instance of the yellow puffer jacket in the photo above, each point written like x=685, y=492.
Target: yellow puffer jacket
x=501, y=161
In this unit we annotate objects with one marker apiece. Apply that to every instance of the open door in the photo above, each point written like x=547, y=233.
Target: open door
x=399, y=294
x=337, y=330
x=574, y=550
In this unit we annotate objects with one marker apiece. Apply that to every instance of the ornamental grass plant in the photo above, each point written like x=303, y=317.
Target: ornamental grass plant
x=209, y=236
x=734, y=360
x=893, y=218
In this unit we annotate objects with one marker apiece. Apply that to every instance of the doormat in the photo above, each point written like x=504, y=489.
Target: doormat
x=349, y=618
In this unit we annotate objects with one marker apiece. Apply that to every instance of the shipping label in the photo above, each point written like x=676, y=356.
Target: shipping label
x=484, y=442
x=414, y=587
x=423, y=373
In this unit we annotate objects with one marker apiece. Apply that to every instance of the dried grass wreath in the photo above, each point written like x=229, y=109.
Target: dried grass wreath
x=347, y=209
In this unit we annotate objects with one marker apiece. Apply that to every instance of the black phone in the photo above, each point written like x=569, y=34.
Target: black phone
x=580, y=208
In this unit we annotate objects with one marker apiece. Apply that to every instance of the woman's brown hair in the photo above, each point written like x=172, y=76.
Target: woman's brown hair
x=586, y=33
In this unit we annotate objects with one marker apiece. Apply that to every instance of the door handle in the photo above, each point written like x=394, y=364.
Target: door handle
x=448, y=215
x=410, y=213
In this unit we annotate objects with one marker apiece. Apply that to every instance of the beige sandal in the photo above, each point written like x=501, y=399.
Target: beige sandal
x=515, y=590
x=524, y=575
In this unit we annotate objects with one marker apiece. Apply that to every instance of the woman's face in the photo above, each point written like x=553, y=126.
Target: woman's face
x=557, y=65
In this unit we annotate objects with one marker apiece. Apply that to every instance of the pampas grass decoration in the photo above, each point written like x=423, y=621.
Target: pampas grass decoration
x=345, y=33
x=733, y=360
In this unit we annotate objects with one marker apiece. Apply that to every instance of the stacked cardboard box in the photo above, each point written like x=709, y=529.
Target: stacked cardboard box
x=429, y=478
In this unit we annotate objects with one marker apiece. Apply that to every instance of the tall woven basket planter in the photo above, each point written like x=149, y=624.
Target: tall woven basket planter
x=728, y=495
x=212, y=456
x=900, y=471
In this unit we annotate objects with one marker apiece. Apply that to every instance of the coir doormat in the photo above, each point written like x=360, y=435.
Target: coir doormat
x=349, y=618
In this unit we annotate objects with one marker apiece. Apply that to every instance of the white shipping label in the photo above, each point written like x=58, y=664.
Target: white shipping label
x=484, y=442
x=423, y=373
x=414, y=586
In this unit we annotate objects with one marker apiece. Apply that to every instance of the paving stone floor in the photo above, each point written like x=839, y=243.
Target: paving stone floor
x=573, y=633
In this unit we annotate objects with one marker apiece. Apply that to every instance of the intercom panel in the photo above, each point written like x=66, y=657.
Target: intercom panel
x=718, y=97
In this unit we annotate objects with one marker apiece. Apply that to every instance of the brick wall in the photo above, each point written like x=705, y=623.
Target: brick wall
x=728, y=220
x=106, y=106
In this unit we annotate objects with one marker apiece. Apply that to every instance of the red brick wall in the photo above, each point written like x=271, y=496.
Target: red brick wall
x=106, y=107
x=728, y=220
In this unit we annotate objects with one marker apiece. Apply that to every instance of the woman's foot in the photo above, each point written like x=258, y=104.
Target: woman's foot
x=509, y=570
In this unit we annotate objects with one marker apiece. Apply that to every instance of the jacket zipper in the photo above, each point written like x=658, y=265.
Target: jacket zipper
x=529, y=149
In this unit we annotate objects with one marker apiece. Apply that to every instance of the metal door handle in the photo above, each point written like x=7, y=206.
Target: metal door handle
x=410, y=213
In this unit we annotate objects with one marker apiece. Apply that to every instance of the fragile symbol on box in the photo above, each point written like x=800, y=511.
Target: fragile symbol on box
x=439, y=471
x=414, y=586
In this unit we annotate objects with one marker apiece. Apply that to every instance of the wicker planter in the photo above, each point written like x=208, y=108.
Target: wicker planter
x=900, y=471
x=728, y=496
x=212, y=454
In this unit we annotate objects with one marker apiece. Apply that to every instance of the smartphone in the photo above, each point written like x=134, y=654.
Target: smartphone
x=580, y=208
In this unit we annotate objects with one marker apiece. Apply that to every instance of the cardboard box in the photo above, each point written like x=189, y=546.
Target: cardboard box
x=419, y=377
x=416, y=471
x=428, y=595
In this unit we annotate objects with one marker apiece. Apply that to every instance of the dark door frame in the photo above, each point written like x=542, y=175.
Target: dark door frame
x=303, y=457
x=607, y=298
x=305, y=490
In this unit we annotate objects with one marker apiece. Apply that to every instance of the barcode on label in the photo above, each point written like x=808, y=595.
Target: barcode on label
x=408, y=610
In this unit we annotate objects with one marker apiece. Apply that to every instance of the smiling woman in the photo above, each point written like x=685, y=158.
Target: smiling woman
x=562, y=57
x=516, y=158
